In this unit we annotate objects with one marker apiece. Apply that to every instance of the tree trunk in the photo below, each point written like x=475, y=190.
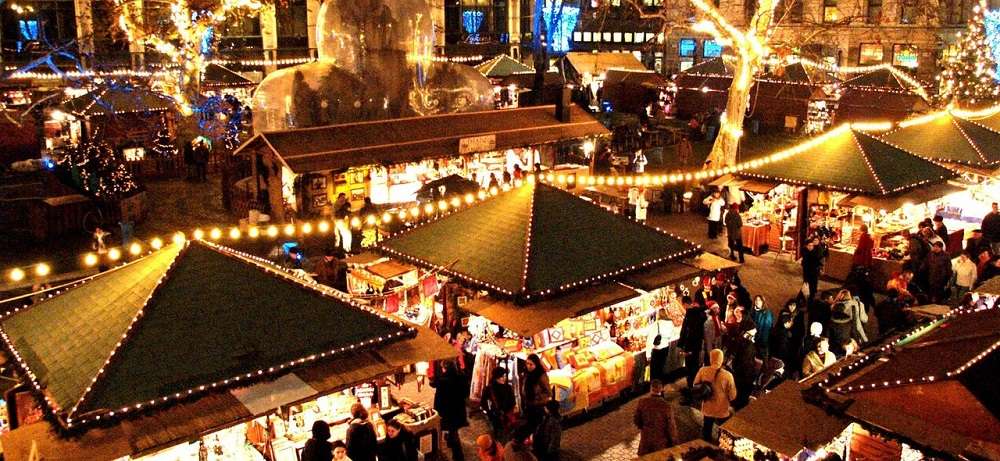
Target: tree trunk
x=728, y=141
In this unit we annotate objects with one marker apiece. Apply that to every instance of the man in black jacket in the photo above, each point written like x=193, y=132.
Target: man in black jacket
x=812, y=264
x=691, y=338
x=991, y=227
x=734, y=231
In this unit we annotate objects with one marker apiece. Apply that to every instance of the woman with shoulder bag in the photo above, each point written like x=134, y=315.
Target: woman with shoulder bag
x=715, y=404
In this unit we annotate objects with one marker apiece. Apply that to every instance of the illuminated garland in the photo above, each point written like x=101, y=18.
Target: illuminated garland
x=18, y=274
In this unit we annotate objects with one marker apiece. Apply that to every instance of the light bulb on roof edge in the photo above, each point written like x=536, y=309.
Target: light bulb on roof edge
x=90, y=260
x=42, y=269
x=156, y=243
x=135, y=249
x=114, y=254
x=16, y=274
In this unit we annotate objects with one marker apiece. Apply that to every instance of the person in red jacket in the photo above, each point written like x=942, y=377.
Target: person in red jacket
x=863, y=253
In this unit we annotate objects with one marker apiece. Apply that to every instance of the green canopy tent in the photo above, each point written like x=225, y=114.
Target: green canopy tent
x=949, y=139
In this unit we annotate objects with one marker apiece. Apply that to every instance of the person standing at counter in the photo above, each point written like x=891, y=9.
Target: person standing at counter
x=965, y=275
x=535, y=392
x=863, y=252
x=715, y=204
x=318, y=447
x=362, y=443
x=938, y=273
x=399, y=444
x=991, y=228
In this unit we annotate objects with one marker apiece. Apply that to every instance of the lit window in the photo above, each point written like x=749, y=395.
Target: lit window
x=586, y=36
x=577, y=36
x=907, y=12
x=871, y=53
x=830, y=11
x=607, y=36
x=617, y=37
x=711, y=49
x=628, y=37
x=904, y=56
x=686, y=47
x=659, y=38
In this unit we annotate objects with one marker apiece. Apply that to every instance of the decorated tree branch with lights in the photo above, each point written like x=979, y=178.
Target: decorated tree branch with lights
x=98, y=170
x=969, y=78
x=186, y=39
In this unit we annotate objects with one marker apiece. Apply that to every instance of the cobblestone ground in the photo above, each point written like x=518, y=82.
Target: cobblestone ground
x=608, y=434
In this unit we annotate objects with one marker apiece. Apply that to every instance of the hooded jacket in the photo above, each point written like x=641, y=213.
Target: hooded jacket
x=723, y=386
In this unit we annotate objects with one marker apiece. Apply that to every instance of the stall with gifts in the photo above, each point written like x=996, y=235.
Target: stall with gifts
x=549, y=273
x=841, y=180
x=215, y=355
x=393, y=287
x=389, y=161
x=122, y=115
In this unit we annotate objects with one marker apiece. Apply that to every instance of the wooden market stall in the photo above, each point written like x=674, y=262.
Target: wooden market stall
x=632, y=91
x=197, y=348
x=924, y=394
x=703, y=87
x=390, y=160
x=124, y=116
x=838, y=184
x=543, y=271
x=878, y=95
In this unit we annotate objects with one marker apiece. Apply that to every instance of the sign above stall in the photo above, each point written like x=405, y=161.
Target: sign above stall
x=476, y=144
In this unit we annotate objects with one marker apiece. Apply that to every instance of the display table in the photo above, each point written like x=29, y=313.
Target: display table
x=839, y=262
x=755, y=237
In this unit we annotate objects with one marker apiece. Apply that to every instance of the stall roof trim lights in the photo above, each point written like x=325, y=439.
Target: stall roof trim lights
x=73, y=419
x=523, y=293
x=884, y=352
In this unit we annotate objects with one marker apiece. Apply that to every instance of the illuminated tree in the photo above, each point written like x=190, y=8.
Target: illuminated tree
x=749, y=49
x=969, y=78
x=186, y=40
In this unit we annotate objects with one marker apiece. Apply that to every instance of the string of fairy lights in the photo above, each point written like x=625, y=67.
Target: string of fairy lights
x=116, y=254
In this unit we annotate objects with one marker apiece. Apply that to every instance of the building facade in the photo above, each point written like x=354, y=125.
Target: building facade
x=913, y=34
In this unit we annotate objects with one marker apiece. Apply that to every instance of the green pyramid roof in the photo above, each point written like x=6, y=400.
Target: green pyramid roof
x=949, y=139
x=852, y=161
x=502, y=66
x=991, y=122
x=176, y=323
x=535, y=240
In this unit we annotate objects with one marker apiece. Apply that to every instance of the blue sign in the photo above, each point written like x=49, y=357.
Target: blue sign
x=687, y=47
x=711, y=49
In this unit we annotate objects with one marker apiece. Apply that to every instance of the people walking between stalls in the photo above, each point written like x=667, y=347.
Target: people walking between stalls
x=318, y=447
x=715, y=204
x=715, y=408
x=692, y=338
x=734, y=231
x=362, y=443
x=547, y=438
x=450, y=391
x=654, y=416
x=497, y=402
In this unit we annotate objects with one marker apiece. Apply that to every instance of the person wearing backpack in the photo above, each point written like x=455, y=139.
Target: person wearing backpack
x=715, y=403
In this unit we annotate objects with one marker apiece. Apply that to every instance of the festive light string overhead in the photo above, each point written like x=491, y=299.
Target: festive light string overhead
x=18, y=274
x=903, y=77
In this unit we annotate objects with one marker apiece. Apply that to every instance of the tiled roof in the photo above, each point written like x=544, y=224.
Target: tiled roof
x=418, y=138
x=947, y=138
x=503, y=66
x=204, y=319
x=853, y=161
x=533, y=241
x=108, y=100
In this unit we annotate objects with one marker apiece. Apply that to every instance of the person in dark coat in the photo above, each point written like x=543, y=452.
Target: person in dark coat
x=691, y=337
x=498, y=403
x=764, y=319
x=654, y=416
x=189, y=159
x=812, y=264
x=744, y=355
x=938, y=274
x=821, y=309
x=362, y=443
x=741, y=294
x=330, y=270
x=734, y=231
x=318, y=448
x=535, y=391
x=940, y=229
x=991, y=227
x=399, y=443
x=976, y=245
x=449, y=401
x=787, y=335
x=546, y=440
x=201, y=153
